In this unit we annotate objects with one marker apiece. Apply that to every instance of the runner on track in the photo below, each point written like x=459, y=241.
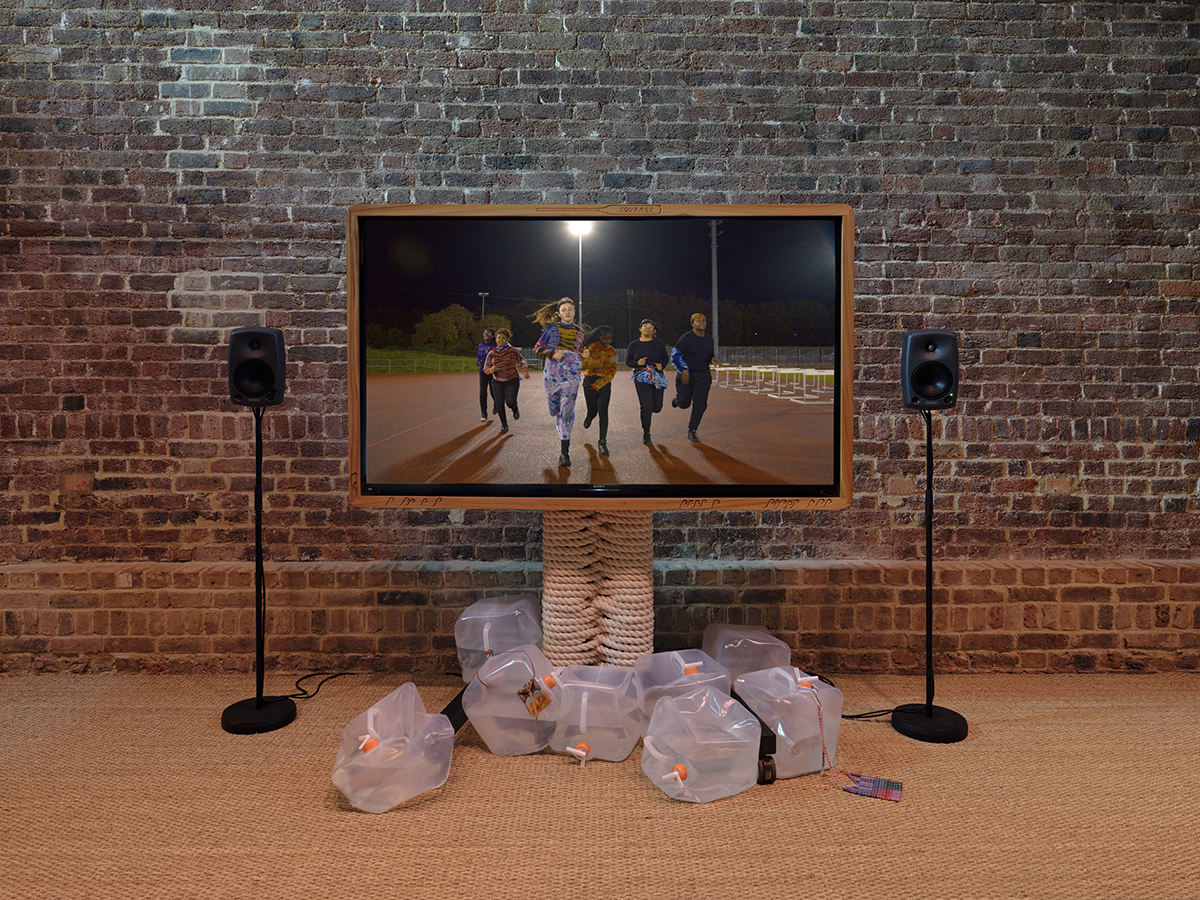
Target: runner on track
x=559, y=346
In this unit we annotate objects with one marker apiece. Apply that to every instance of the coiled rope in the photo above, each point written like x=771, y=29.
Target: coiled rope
x=597, y=586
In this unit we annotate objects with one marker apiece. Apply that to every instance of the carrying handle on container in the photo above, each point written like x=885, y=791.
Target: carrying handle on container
x=648, y=744
x=583, y=713
x=528, y=661
x=408, y=709
x=678, y=773
x=781, y=674
x=685, y=667
x=370, y=740
x=795, y=679
x=487, y=639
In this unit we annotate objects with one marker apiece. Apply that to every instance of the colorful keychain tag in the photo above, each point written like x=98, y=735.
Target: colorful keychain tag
x=869, y=786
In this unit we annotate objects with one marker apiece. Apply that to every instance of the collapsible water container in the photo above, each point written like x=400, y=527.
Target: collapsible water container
x=512, y=702
x=744, y=648
x=701, y=746
x=392, y=752
x=658, y=675
x=494, y=624
x=599, y=716
x=803, y=711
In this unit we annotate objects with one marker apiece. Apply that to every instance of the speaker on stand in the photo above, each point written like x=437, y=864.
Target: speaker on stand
x=929, y=381
x=256, y=379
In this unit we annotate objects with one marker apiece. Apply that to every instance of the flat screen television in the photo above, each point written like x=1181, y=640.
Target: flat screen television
x=774, y=283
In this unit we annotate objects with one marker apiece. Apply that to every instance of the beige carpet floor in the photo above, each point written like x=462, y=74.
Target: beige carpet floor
x=1068, y=786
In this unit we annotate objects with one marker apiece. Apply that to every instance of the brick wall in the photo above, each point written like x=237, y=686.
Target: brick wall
x=1023, y=173
x=862, y=616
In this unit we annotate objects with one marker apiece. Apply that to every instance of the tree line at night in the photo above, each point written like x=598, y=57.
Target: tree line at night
x=455, y=330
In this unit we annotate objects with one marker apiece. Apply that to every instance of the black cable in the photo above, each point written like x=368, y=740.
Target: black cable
x=305, y=693
x=875, y=714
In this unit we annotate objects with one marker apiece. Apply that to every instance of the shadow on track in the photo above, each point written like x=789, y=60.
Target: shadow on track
x=734, y=469
x=428, y=466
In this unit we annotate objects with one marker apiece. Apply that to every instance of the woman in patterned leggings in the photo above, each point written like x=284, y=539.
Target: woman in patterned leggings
x=559, y=346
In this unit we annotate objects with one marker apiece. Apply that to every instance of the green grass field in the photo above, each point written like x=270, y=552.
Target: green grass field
x=395, y=362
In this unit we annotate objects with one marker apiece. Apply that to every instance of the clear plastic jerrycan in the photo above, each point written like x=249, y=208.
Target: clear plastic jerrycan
x=675, y=672
x=744, y=648
x=392, y=752
x=804, y=712
x=494, y=624
x=599, y=716
x=512, y=702
x=701, y=746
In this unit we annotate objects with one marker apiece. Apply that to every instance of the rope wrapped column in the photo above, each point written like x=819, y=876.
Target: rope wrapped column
x=597, y=586
x=624, y=590
x=570, y=622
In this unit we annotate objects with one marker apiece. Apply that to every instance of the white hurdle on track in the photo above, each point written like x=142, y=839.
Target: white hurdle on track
x=784, y=383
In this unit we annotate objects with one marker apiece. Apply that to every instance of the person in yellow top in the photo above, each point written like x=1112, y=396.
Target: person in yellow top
x=599, y=369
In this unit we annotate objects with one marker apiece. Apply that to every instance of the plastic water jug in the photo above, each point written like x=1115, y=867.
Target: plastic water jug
x=393, y=751
x=744, y=648
x=803, y=711
x=513, y=702
x=494, y=624
x=599, y=716
x=669, y=674
x=701, y=746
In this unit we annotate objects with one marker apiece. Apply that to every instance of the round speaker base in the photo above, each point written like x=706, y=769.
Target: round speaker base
x=247, y=717
x=944, y=726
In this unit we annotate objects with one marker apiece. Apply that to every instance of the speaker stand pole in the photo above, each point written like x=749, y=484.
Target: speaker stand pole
x=259, y=714
x=924, y=721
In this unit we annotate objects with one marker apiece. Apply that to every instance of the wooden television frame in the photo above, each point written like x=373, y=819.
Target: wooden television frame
x=438, y=495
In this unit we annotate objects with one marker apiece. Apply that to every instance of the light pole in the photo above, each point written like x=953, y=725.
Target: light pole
x=629, y=313
x=482, y=303
x=580, y=228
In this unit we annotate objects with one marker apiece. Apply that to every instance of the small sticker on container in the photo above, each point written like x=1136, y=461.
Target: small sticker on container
x=534, y=696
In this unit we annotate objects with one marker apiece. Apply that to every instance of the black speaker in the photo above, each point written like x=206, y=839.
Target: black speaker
x=929, y=368
x=256, y=366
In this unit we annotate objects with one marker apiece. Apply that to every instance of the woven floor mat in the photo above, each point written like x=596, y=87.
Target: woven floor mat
x=117, y=786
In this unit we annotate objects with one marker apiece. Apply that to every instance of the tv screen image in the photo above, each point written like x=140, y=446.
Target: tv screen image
x=772, y=283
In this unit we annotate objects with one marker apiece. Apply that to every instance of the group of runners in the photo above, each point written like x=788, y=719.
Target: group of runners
x=572, y=359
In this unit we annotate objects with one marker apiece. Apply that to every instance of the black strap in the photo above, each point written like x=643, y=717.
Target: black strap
x=456, y=714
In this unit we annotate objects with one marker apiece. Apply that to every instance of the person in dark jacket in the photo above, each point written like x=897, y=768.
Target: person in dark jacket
x=648, y=358
x=692, y=357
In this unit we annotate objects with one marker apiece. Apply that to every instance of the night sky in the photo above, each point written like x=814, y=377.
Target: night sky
x=424, y=264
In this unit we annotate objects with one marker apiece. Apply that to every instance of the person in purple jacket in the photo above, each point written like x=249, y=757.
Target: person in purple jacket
x=485, y=380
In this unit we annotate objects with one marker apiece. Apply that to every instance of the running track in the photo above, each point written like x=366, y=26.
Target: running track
x=425, y=429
